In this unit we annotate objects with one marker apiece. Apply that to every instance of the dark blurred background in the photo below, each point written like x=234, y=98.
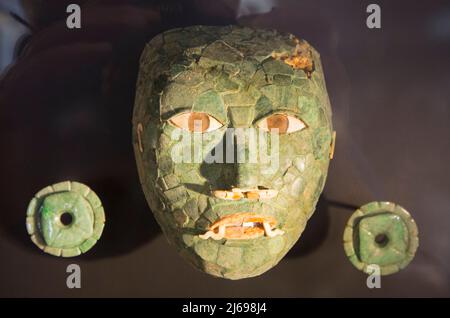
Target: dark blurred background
x=66, y=99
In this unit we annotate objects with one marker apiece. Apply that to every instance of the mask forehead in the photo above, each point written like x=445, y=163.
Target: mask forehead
x=239, y=64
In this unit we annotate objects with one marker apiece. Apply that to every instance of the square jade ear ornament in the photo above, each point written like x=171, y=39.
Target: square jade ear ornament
x=383, y=234
x=232, y=135
x=65, y=219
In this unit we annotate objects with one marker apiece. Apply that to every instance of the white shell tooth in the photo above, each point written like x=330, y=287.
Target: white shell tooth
x=270, y=232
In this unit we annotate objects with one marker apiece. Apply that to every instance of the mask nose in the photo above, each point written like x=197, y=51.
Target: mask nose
x=246, y=176
x=243, y=176
x=246, y=171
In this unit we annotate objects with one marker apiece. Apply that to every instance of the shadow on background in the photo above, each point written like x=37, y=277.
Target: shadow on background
x=317, y=228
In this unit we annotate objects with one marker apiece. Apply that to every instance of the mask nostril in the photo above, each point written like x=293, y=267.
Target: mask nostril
x=246, y=176
x=245, y=193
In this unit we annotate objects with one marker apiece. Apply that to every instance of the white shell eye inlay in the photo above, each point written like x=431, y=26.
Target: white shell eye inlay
x=284, y=123
x=195, y=122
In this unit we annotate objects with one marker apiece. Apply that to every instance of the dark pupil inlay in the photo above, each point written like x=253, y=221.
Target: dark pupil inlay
x=198, y=122
x=381, y=239
x=278, y=121
x=66, y=218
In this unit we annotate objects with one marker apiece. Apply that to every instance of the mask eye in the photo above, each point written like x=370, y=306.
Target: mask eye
x=195, y=122
x=284, y=123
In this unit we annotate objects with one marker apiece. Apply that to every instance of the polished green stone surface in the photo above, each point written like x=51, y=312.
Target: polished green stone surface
x=231, y=74
x=65, y=219
x=57, y=234
x=393, y=244
x=381, y=233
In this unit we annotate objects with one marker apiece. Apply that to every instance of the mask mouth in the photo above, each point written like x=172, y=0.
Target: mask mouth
x=259, y=193
x=242, y=226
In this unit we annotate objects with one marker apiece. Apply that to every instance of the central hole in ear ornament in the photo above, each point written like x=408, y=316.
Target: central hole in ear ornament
x=381, y=240
x=66, y=218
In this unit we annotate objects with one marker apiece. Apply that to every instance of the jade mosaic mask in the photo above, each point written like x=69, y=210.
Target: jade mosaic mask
x=232, y=135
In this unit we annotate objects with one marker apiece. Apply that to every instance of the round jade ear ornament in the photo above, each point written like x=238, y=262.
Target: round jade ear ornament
x=232, y=135
x=65, y=219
